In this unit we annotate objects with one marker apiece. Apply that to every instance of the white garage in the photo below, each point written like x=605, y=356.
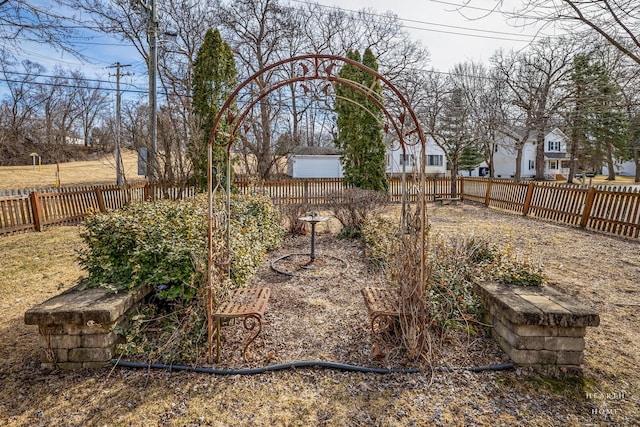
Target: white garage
x=314, y=162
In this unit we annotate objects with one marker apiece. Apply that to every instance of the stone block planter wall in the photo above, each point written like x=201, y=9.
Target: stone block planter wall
x=77, y=327
x=537, y=326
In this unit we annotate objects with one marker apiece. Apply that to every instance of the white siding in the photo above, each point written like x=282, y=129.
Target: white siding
x=315, y=166
x=627, y=168
x=394, y=159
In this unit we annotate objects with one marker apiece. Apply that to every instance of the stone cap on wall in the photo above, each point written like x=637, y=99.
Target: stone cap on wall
x=532, y=305
x=78, y=306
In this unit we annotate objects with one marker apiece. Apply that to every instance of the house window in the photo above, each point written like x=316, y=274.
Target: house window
x=496, y=148
x=553, y=164
x=553, y=146
x=532, y=164
x=434, y=160
x=407, y=159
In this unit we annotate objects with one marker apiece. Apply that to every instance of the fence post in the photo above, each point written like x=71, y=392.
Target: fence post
x=487, y=197
x=461, y=194
x=527, y=200
x=36, y=208
x=147, y=192
x=100, y=198
x=305, y=190
x=586, y=214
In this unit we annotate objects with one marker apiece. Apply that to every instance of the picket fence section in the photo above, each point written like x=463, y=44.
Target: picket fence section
x=614, y=210
x=38, y=209
x=325, y=191
x=309, y=191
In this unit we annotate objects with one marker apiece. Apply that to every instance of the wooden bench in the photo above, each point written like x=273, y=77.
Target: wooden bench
x=382, y=306
x=250, y=304
x=449, y=200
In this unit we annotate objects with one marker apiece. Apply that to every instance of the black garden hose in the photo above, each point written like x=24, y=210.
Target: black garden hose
x=301, y=364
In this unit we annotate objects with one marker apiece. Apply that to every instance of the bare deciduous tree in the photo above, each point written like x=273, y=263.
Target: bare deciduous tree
x=616, y=21
x=535, y=80
x=24, y=20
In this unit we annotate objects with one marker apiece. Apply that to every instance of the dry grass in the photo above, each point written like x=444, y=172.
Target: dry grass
x=102, y=171
x=602, y=180
x=312, y=319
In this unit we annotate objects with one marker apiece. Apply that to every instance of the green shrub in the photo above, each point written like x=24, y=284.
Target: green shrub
x=164, y=244
x=510, y=269
x=255, y=229
x=455, y=265
x=380, y=238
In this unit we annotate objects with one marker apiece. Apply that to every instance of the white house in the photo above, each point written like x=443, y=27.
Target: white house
x=324, y=162
x=626, y=168
x=410, y=161
x=556, y=157
x=314, y=162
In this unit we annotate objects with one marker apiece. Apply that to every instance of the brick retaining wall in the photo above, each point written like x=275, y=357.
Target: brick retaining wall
x=77, y=327
x=537, y=326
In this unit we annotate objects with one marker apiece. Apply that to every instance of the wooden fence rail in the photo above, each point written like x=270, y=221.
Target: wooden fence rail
x=323, y=191
x=35, y=211
x=602, y=209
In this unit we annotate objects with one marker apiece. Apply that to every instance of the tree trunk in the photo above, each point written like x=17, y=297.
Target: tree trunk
x=454, y=177
x=264, y=157
x=540, y=155
x=573, y=148
x=636, y=161
x=610, y=165
x=518, y=175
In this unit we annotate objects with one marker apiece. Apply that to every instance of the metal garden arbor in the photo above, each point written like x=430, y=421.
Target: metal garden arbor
x=401, y=120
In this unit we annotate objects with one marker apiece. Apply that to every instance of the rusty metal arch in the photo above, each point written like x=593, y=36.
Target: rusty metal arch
x=312, y=67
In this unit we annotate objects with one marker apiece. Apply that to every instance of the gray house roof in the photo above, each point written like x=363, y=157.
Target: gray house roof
x=315, y=151
x=556, y=155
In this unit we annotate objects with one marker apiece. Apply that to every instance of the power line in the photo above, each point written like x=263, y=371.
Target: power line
x=415, y=21
x=71, y=86
x=47, y=76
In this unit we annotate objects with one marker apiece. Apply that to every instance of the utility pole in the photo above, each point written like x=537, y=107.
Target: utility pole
x=118, y=154
x=151, y=7
x=153, y=101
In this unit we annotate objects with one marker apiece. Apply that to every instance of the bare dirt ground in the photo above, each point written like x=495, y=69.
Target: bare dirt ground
x=325, y=319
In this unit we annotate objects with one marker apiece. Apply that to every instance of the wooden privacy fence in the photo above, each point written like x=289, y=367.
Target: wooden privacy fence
x=37, y=210
x=602, y=209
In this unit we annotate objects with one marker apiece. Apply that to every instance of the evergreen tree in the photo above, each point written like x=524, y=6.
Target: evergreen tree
x=456, y=132
x=360, y=138
x=598, y=124
x=214, y=78
x=609, y=127
x=470, y=158
x=578, y=116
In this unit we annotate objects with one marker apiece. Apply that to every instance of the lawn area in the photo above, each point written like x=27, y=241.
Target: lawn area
x=89, y=172
x=599, y=270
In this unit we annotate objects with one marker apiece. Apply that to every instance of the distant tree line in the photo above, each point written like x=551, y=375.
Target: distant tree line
x=586, y=83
